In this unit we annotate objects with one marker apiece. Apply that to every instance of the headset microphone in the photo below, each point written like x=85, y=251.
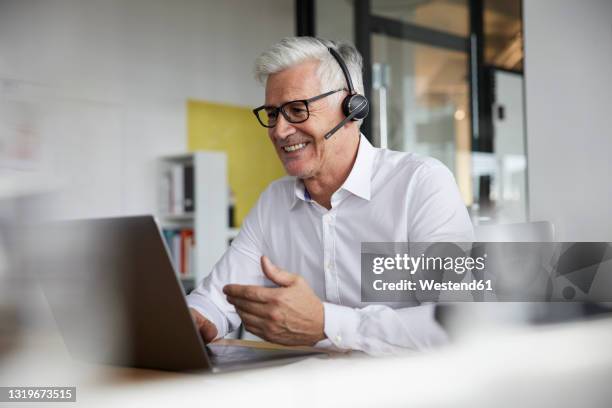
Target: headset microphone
x=344, y=122
x=355, y=106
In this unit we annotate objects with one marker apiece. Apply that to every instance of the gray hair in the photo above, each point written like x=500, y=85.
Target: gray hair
x=292, y=51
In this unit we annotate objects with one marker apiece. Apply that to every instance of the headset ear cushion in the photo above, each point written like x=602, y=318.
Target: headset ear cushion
x=356, y=103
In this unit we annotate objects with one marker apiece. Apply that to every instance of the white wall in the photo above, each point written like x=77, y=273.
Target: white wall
x=101, y=86
x=568, y=71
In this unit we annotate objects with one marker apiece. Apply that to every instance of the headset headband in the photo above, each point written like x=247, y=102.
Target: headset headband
x=338, y=58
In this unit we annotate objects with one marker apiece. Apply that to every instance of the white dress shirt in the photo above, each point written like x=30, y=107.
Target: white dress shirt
x=388, y=197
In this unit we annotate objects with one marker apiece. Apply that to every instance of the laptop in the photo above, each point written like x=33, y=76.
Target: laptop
x=117, y=300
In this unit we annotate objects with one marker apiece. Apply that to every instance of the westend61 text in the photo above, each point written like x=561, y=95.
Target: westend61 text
x=429, y=284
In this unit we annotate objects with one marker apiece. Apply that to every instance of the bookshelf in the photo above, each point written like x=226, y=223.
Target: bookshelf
x=193, y=211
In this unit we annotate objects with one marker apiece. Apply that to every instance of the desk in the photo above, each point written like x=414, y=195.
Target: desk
x=557, y=365
x=264, y=345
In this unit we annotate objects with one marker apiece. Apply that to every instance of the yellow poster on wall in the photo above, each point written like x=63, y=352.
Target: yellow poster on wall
x=252, y=160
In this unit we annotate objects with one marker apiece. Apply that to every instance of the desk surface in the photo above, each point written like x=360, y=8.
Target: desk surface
x=552, y=365
x=264, y=345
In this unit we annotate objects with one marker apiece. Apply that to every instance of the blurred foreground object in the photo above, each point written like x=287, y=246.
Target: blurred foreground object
x=15, y=196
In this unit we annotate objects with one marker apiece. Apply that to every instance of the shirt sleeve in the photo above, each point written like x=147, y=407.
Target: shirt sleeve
x=381, y=330
x=240, y=264
x=436, y=212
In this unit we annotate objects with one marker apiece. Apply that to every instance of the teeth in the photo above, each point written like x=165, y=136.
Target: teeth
x=295, y=147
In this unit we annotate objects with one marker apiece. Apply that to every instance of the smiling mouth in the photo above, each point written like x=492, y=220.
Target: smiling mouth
x=294, y=147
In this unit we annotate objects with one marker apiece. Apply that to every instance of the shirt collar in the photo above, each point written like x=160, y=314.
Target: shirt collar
x=359, y=180
x=300, y=192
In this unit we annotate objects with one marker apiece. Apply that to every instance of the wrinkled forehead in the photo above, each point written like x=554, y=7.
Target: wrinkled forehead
x=298, y=82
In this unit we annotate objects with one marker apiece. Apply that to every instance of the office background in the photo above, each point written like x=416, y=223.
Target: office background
x=94, y=92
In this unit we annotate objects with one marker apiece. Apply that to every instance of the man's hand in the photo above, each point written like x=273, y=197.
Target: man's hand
x=207, y=329
x=290, y=315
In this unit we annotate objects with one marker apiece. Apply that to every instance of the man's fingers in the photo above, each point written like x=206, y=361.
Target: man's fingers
x=207, y=329
x=252, y=323
x=250, y=292
x=256, y=331
x=255, y=308
x=276, y=274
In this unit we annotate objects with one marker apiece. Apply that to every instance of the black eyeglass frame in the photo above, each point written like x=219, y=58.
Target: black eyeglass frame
x=281, y=109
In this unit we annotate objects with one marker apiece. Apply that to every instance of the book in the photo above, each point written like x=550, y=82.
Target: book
x=186, y=247
x=177, y=186
x=181, y=247
x=168, y=236
x=176, y=252
x=188, y=189
x=165, y=192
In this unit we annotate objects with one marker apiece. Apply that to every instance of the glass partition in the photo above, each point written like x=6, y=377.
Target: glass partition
x=420, y=91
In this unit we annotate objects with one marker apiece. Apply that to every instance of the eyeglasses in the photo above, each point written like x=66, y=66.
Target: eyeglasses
x=293, y=111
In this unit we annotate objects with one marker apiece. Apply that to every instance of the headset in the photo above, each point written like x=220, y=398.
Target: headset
x=354, y=106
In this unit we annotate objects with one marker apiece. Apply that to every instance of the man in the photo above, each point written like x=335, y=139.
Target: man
x=292, y=276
